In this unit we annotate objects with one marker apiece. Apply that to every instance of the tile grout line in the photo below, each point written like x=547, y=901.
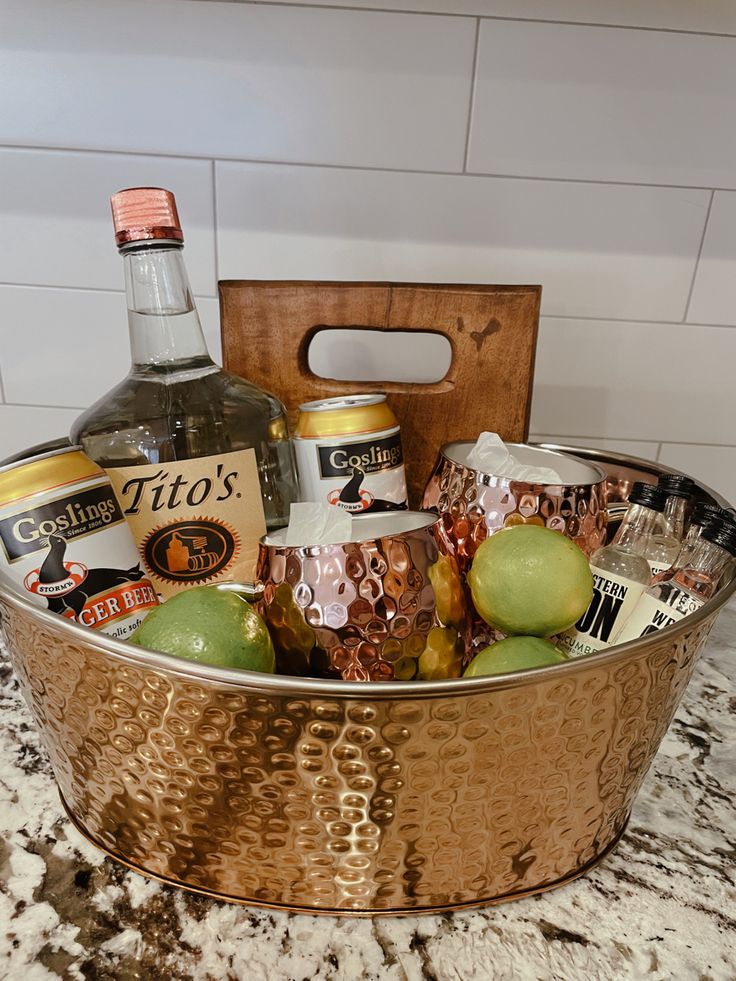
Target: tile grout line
x=35, y=405
x=2, y=388
x=627, y=439
x=266, y=162
x=632, y=320
x=214, y=223
x=471, y=100
x=518, y=20
x=86, y=289
x=533, y=436
x=576, y=318
x=638, y=439
x=697, y=258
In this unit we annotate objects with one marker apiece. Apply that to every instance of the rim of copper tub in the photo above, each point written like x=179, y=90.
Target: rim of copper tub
x=355, y=690
x=295, y=685
x=552, y=451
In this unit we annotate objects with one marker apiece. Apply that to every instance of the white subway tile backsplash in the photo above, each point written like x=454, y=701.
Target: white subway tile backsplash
x=600, y=251
x=69, y=347
x=718, y=16
x=22, y=426
x=127, y=92
x=576, y=102
x=632, y=447
x=56, y=222
x=328, y=86
x=714, y=293
x=638, y=381
x=714, y=465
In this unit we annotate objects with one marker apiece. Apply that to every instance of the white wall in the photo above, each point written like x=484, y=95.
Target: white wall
x=352, y=143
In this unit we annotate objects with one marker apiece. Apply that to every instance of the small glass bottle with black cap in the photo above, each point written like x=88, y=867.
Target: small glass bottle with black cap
x=666, y=539
x=703, y=513
x=621, y=573
x=679, y=490
x=664, y=603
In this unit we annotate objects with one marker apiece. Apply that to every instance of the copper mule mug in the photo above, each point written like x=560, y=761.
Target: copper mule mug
x=388, y=604
x=473, y=505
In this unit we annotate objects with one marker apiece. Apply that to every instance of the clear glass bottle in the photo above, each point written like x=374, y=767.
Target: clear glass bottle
x=665, y=603
x=621, y=573
x=200, y=459
x=679, y=490
x=664, y=542
x=703, y=513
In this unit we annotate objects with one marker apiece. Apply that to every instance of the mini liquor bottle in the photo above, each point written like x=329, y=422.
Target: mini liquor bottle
x=667, y=602
x=666, y=538
x=703, y=513
x=199, y=459
x=679, y=490
x=621, y=573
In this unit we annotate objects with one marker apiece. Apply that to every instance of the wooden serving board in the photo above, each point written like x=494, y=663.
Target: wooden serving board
x=267, y=327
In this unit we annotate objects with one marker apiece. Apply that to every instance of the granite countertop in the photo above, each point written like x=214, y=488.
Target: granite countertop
x=662, y=905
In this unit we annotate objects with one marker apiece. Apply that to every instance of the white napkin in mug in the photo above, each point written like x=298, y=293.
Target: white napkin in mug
x=491, y=455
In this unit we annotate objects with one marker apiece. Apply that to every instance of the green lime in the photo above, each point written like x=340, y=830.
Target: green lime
x=514, y=654
x=209, y=625
x=530, y=580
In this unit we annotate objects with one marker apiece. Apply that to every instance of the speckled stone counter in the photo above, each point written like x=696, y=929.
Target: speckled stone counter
x=662, y=905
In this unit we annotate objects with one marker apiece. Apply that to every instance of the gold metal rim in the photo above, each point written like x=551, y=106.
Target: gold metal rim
x=400, y=690
x=287, y=684
x=342, y=911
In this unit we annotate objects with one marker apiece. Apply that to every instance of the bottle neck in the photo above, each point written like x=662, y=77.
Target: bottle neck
x=637, y=526
x=164, y=325
x=674, y=516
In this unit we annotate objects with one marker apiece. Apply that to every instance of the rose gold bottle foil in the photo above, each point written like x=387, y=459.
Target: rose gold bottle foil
x=141, y=213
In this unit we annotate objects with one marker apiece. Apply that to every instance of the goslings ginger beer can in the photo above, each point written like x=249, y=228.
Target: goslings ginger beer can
x=65, y=544
x=348, y=452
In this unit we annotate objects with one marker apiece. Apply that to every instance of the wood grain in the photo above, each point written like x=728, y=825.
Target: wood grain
x=267, y=327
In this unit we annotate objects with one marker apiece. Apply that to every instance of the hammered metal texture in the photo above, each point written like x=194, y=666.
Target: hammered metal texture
x=473, y=505
x=376, y=610
x=334, y=802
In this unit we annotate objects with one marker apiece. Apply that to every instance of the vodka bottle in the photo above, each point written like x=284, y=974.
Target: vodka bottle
x=199, y=459
x=621, y=573
x=665, y=603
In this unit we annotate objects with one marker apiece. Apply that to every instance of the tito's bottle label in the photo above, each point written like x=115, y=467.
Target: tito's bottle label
x=194, y=521
x=614, y=599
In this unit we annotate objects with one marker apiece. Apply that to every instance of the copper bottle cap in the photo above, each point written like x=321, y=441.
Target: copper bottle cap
x=141, y=213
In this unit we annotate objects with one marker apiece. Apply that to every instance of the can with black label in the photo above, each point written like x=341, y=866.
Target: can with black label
x=348, y=451
x=66, y=545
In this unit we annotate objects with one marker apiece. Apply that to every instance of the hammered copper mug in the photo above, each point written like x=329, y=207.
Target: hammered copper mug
x=388, y=604
x=473, y=505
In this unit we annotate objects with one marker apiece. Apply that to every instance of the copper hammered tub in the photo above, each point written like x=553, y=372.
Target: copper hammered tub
x=349, y=797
